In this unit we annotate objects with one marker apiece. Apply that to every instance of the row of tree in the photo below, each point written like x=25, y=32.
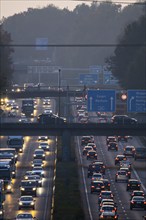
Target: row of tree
x=100, y=28
x=6, y=69
x=128, y=63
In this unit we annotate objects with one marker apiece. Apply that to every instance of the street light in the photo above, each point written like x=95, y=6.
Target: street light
x=59, y=72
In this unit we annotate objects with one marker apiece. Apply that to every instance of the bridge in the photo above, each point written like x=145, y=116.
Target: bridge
x=36, y=92
x=71, y=129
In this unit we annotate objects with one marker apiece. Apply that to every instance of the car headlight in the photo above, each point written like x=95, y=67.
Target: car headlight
x=34, y=155
x=32, y=203
x=22, y=189
x=34, y=188
x=1, y=212
x=20, y=203
x=9, y=187
x=40, y=181
x=43, y=155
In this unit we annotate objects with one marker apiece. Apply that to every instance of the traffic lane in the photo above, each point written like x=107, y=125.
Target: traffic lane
x=11, y=204
x=119, y=189
x=110, y=174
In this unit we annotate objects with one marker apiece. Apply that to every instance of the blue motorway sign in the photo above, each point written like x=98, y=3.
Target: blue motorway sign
x=88, y=79
x=136, y=101
x=101, y=100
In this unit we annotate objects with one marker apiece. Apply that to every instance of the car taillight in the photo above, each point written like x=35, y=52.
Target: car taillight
x=138, y=184
x=92, y=186
x=109, y=184
x=132, y=202
x=145, y=202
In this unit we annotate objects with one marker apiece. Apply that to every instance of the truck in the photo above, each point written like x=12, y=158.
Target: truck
x=16, y=142
x=6, y=175
x=28, y=107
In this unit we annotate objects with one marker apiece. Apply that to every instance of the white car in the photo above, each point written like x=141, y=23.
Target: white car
x=25, y=216
x=97, y=176
x=26, y=202
x=121, y=176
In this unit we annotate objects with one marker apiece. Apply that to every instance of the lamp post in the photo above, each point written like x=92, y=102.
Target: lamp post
x=59, y=72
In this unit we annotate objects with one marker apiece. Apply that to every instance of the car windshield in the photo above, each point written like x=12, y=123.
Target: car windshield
x=28, y=183
x=26, y=199
x=24, y=216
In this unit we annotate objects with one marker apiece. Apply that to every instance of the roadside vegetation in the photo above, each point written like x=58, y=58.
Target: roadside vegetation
x=67, y=199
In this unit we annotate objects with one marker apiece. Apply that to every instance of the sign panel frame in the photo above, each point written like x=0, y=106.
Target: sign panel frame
x=101, y=100
x=136, y=101
x=89, y=78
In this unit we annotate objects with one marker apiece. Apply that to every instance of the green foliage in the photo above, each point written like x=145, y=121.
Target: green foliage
x=5, y=59
x=128, y=62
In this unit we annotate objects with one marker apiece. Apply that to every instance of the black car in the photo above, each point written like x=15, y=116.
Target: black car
x=113, y=146
x=50, y=119
x=96, y=186
x=138, y=202
x=137, y=193
x=92, y=154
x=85, y=140
x=140, y=153
x=123, y=119
x=96, y=167
x=28, y=187
x=122, y=138
x=107, y=184
x=129, y=151
x=133, y=184
x=119, y=158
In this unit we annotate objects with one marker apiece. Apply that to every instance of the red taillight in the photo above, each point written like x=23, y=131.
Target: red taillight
x=109, y=184
x=92, y=186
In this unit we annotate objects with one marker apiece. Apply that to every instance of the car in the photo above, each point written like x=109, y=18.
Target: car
x=15, y=106
x=119, y=158
x=138, y=202
x=96, y=186
x=96, y=166
x=104, y=194
x=129, y=150
x=122, y=138
x=123, y=119
x=111, y=139
x=23, y=119
x=107, y=184
x=28, y=187
x=112, y=146
x=108, y=215
x=106, y=201
x=38, y=171
x=133, y=184
x=45, y=146
x=86, y=149
x=43, y=138
x=140, y=153
x=107, y=208
x=26, y=216
x=97, y=176
x=127, y=170
x=37, y=178
x=39, y=154
x=125, y=164
x=93, y=145
x=26, y=202
x=137, y=193
x=85, y=140
x=92, y=154
x=121, y=176
x=37, y=162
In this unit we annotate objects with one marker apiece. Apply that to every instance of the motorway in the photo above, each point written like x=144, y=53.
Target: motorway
x=90, y=201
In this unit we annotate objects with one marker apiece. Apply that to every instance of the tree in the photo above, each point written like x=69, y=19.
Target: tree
x=128, y=62
x=6, y=69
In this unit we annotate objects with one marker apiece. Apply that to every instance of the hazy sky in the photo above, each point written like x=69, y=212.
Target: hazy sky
x=11, y=7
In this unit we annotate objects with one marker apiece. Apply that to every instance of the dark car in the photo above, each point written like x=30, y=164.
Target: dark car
x=119, y=158
x=111, y=139
x=95, y=167
x=28, y=187
x=86, y=149
x=137, y=193
x=105, y=195
x=50, y=119
x=96, y=186
x=138, y=202
x=122, y=138
x=113, y=146
x=129, y=151
x=85, y=140
x=133, y=184
x=39, y=154
x=107, y=184
x=123, y=119
x=140, y=153
x=92, y=154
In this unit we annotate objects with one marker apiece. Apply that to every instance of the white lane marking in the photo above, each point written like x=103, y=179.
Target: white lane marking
x=83, y=174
